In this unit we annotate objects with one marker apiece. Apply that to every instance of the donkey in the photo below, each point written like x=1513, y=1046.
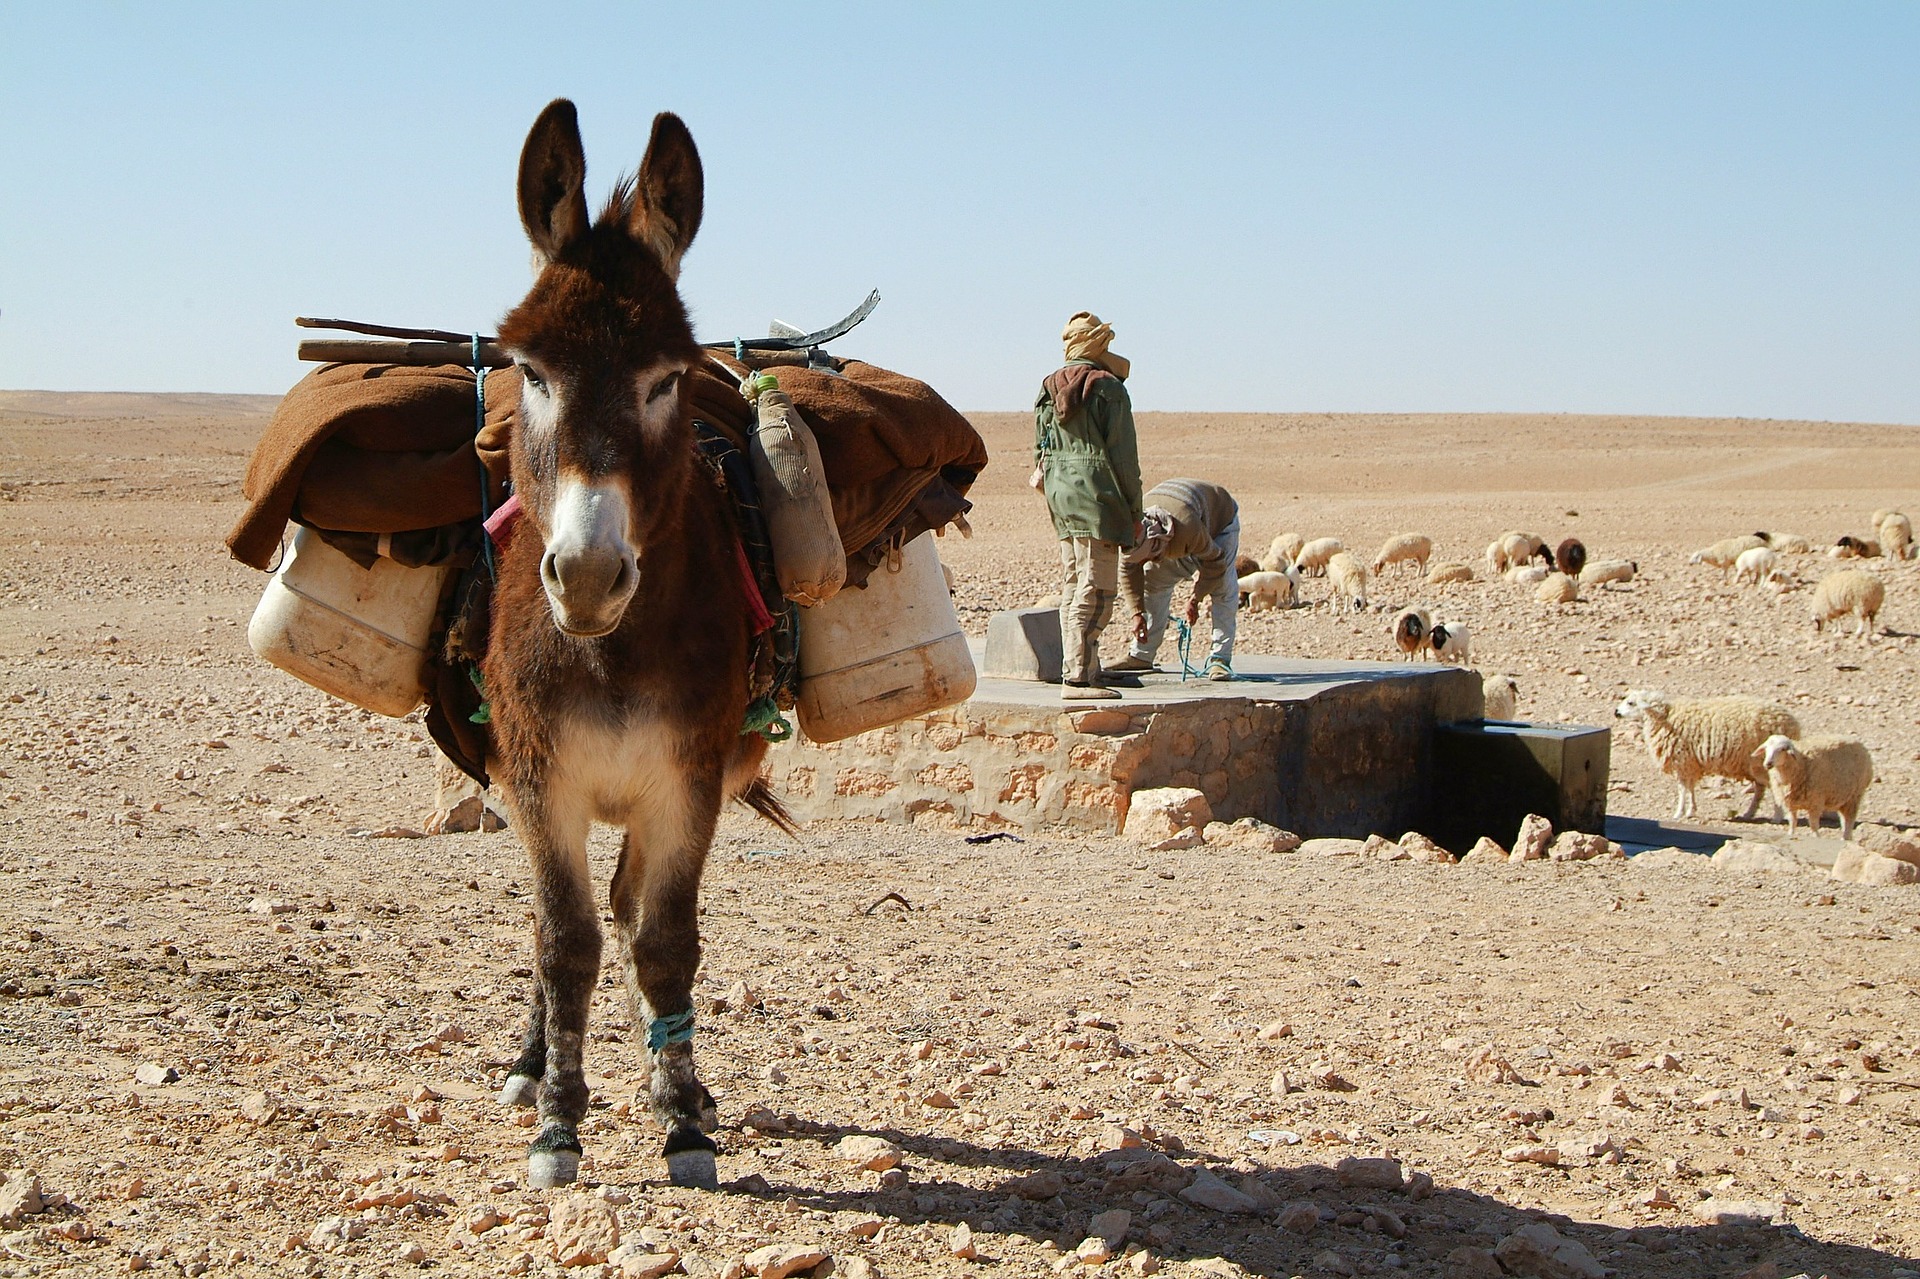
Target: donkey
x=617, y=667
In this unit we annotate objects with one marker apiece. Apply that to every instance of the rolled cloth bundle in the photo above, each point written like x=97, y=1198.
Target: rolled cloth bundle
x=1087, y=337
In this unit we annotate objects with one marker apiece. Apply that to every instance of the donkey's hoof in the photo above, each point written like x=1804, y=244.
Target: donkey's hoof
x=549, y=1168
x=690, y=1159
x=520, y=1090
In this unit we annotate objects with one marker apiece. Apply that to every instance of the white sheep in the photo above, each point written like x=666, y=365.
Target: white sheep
x=1409, y=631
x=1602, y=572
x=1283, y=552
x=1451, y=642
x=1694, y=737
x=1557, y=588
x=1403, y=548
x=1348, y=578
x=1502, y=694
x=1850, y=592
x=1817, y=776
x=1755, y=565
x=1447, y=573
x=1527, y=574
x=1520, y=547
x=1496, y=558
x=1725, y=552
x=1313, y=556
x=1269, y=590
x=1896, y=535
x=1789, y=544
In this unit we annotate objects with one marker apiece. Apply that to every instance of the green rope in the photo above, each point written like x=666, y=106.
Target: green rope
x=485, y=714
x=764, y=718
x=1185, y=644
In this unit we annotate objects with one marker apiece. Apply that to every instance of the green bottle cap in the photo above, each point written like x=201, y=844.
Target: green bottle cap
x=765, y=382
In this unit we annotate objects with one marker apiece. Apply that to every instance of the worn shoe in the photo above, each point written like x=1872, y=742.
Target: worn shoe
x=1219, y=672
x=1087, y=693
x=1131, y=665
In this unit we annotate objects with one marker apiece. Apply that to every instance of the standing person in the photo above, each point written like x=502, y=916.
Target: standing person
x=1191, y=530
x=1086, y=461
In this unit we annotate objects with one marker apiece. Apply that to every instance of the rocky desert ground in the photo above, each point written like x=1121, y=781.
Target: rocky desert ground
x=248, y=1026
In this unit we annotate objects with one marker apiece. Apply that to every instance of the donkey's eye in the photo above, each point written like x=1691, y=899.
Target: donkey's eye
x=531, y=378
x=663, y=386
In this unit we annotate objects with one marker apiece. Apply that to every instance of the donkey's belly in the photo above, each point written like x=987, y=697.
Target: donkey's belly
x=625, y=775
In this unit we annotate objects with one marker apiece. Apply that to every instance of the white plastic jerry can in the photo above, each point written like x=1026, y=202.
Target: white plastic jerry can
x=361, y=634
x=873, y=657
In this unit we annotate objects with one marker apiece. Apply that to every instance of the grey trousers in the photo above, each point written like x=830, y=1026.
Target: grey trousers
x=1092, y=571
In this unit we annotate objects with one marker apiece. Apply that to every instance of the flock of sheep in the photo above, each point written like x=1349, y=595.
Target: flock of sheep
x=1736, y=737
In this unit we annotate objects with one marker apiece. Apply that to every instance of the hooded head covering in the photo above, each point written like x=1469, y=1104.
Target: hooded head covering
x=1086, y=337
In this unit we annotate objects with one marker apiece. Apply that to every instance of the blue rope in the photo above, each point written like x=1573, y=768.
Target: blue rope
x=1185, y=645
x=479, y=427
x=675, y=1028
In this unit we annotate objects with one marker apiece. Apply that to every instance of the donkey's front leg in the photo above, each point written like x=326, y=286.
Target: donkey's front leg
x=655, y=908
x=566, y=966
x=523, y=1081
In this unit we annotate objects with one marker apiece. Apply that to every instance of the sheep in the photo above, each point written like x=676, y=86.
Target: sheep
x=1570, y=556
x=1694, y=737
x=1756, y=564
x=1451, y=642
x=1348, y=578
x=1850, y=548
x=1410, y=626
x=1314, y=555
x=1557, y=588
x=1047, y=601
x=1269, y=590
x=1496, y=558
x=1445, y=574
x=1402, y=548
x=1896, y=535
x=1527, y=574
x=1722, y=554
x=1850, y=591
x=1502, y=696
x=1789, y=544
x=1245, y=565
x=1601, y=572
x=1284, y=551
x=1817, y=776
x=1518, y=548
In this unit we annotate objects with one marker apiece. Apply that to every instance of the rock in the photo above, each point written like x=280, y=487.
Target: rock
x=21, y=1197
x=1390, y=1223
x=636, y=1262
x=410, y=1253
x=1301, y=1218
x=1487, y=1067
x=1208, y=1191
x=1333, y=1263
x=330, y=1234
x=153, y=1074
x=583, y=1230
x=1898, y=845
x=1483, y=853
x=778, y=1260
x=959, y=1243
x=1547, y=1155
x=1660, y=858
x=1043, y=1184
x=1745, y=855
x=873, y=1154
x=1538, y=1249
x=1164, y=812
x=939, y=1100
x=1333, y=847
x=259, y=1108
x=1370, y=1174
x=1276, y=1030
x=1471, y=1263
x=1736, y=1212
x=1109, y=1228
x=1855, y=865
x=1530, y=845
x=1379, y=846
x=1188, y=837
x=1253, y=835
x=1579, y=846
x=857, y=1268
x=1143, y=1264
x=865, y=1227
x=269, y=906
x=1422, y=849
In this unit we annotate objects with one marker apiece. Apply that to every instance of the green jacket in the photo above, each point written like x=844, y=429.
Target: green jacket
x=1085, y=444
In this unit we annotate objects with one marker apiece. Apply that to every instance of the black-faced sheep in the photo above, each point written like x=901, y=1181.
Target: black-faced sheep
x=1850, y=592
x=1451, y=642
x=1854, y=548
x=1404, y=548
x=1694, y=737
x=1817, y=776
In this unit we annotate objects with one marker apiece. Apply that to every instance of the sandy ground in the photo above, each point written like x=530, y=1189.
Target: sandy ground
x=185, y=893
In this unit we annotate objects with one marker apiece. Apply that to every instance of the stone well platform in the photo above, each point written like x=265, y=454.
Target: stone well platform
x=1321, y=748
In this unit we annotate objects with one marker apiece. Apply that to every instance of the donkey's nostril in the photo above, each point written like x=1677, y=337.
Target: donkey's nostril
x=550, y=575
x=622, y=583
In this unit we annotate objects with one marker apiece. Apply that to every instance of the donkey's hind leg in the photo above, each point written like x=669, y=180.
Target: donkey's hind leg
x=655, y=909
x=523, y=1081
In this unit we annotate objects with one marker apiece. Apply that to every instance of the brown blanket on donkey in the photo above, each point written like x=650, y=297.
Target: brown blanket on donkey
x=379, y=448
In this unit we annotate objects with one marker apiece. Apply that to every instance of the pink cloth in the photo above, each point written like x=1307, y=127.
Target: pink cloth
x=500, y=523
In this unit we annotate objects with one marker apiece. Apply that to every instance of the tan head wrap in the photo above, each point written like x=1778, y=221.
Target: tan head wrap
x=1087, y=338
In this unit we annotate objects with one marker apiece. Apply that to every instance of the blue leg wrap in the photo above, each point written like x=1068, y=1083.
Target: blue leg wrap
x=675, y=1028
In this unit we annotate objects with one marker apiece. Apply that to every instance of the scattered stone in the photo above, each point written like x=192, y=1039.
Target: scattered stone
x=637, y=1262
x=1187, y=837
x=1579, y=846
x=1208, y=1191
x=153, y=1074
x=1386, y=850
x=1540, y=1250
x=1160, y=813
x=1472, y=1263
x=1043, y=1184
x=1483, y=853
x=1736, y=1212
x=1744, y=856
x=1109, y=1229
x=865, y=1227
x=873, y=1154
x=1334, y=847
x=330, y=1234
x=1547, y=1155
x=1855, y=865
x=1143, y=1264
x=410, y=1253
x=21, y=1197
x=1333, y=1263
x=1389, y=1222
x=1370, y=1174
x=939, y=1101
x=1487, y=1067
x=1422, y=849
x=269, y=906
x=259, y=1108
x=1419, y=1186
x=1281, y=1084
x=778, y=1260
x=583, y=1230
x=857, y=1268
x=959, y=1243
x=1302, y=1218
x=1536, y=834
x=1276, y=1030
x=1252, y=835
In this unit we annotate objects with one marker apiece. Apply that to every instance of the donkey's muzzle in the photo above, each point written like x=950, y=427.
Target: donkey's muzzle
x=589, y=586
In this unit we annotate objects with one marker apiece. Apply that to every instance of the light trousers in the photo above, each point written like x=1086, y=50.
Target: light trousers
x=1092, y=572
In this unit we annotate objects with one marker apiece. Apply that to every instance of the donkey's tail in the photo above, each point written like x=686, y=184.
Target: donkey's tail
x=760, y=798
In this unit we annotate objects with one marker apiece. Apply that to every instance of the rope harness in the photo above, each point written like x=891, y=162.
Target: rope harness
x=674, y=1028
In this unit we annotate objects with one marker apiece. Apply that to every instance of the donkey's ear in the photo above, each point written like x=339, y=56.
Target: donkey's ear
x=672, y=192
x=553, y=179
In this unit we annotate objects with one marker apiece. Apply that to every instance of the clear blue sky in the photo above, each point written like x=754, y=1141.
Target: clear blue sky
x=1654, y=208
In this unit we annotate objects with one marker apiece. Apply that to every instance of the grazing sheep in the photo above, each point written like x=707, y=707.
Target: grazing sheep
x=1518, y=548
x=1896, y=535
x=1348, y=578
x=1451, y=642
x=1245, y=565
x=1527, y=574
x=1789, y=544
x=1694, y=737
x=1601, y=572
x=1557, y=588
x=1284, y=550
x=1445, y=574
x=1851, y=591
x=1755, y=565
x=1496, y=558
x=1570, y=556
x=1410, y=626
x=1403, y=548
x=1269, y=590
x=1817, y=776
x=1852, y=548
x=1502, y=694
x=1722, y=554
x=1313, y=557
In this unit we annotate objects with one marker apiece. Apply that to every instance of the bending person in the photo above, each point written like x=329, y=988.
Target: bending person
x=1191, y=531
